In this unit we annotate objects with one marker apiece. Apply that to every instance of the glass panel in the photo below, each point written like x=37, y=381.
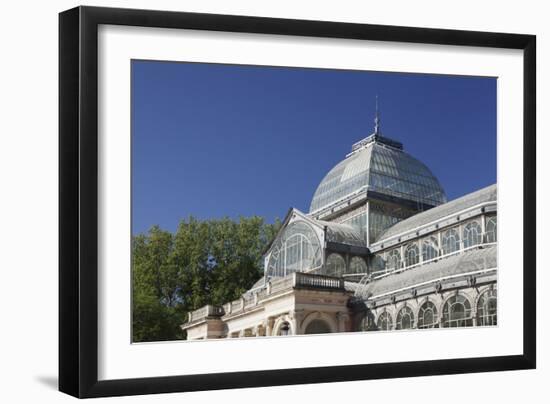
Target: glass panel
x=427, y=316
x=430, y=249
x=457, y=312
x=383, y=169
x=383, y=216
x=406, y=177
x=405, y=319
x=450, y=241
x=377, y=263
x=296, y=250
x=491, y=229
x=411, y=255
x=359, y=222
x=335, y=265
x=346, y=177
x=384, y=321
x=472, y=234
x=357, y=265
x=487, y=308
x=393, y=260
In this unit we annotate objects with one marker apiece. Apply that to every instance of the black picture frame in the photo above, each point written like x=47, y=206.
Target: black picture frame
x=78, y=201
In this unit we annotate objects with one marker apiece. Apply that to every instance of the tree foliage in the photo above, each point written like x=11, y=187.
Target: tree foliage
x=204, y=262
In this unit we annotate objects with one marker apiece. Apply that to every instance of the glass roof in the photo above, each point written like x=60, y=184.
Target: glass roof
x=342, y=233
x=378, y=166
x=487, y=194
x=461, y=263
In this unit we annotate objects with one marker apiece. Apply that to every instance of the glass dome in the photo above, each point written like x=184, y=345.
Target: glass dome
x=382, y=167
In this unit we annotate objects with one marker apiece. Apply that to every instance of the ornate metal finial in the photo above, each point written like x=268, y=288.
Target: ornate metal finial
x=377, y=119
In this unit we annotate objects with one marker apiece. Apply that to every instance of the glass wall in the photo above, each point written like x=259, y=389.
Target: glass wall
x=357, y=265
x=491, y=229
x=450, y=240
x=487, y=308
x=457, y=312
x=405, y=319
x=430, y=248
x=335, y=265
x=427, y=316
x=359, y=221
x=298, y=249
x=471, y=234
x=377, y=263
x=384, y=321
x=382, y=217
x=393, y=260
x=412, y=255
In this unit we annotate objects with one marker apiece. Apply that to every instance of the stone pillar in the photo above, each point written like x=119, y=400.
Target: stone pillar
x=295, y=318
x=269, y=326
x=260, y=330
x=472, y=297
x=242, y=303
x=229, y=308
x=341, y=319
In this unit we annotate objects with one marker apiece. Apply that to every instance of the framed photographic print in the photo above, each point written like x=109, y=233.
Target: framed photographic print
x=251, y=201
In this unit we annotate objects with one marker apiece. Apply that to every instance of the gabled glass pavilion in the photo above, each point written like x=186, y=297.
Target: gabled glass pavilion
x=379, y=249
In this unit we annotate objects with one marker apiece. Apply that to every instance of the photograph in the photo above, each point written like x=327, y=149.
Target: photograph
x=238, y=201
x=273, y=201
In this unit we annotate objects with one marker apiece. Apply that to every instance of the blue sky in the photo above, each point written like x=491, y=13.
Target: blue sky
x=224, y=140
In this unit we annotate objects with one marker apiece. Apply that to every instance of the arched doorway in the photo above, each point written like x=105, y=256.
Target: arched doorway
x=284, y=329
x=318, y=327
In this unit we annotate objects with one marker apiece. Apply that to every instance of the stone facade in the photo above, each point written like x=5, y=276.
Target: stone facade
x=293, y=305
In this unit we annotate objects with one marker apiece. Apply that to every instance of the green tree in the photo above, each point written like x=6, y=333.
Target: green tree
x=154, y=282
x=204, y=262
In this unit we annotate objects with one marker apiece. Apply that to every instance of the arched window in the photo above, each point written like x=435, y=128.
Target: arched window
x=451, y=241
x=384, y=321
x=284, y=329
x=472, y=234
x=335, y=265
x=405, y=319
x=430, y=249
x=317, y=327
x=491, y=229
x=487, y=308
x=393, y=260
x=457, y=312
x=411, y=255
x=357, y=265
x=298, y=249
x=427, y=316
